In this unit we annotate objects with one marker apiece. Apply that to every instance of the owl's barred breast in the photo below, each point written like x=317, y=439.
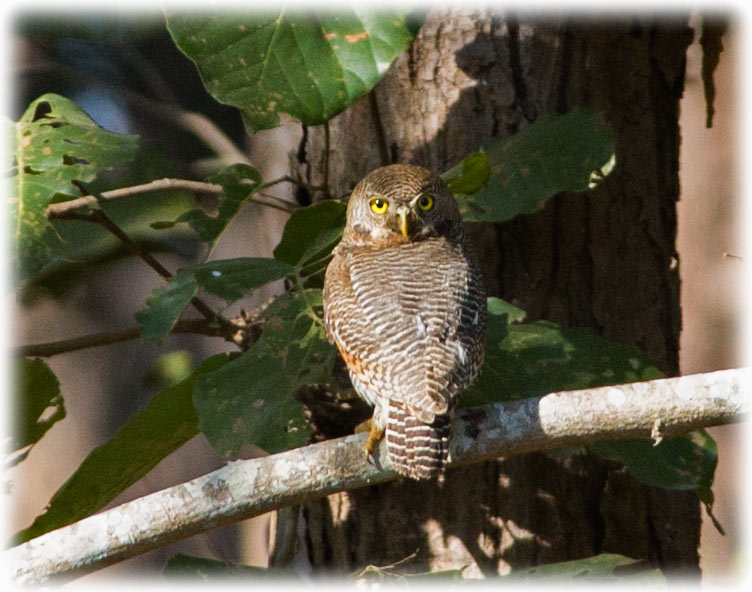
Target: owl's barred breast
x=411, y=315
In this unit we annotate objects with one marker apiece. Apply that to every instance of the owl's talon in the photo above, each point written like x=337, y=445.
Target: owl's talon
x=374, y=435
x=363, y=426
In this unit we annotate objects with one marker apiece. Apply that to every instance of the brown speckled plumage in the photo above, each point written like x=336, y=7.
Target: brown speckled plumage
x=407, y=311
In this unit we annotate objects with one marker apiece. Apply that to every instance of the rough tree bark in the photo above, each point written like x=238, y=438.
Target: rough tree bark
x=605, y=260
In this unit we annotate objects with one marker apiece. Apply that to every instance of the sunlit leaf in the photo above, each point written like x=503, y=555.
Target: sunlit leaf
x=54, y=143
x=308, y=65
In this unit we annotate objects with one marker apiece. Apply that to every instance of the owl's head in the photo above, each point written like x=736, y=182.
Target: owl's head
x=401, y=203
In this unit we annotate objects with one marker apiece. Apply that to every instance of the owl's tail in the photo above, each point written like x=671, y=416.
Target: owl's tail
x=416, y=449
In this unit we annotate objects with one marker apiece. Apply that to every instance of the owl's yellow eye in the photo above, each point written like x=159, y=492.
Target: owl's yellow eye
x=425, y=202
x=378, y=205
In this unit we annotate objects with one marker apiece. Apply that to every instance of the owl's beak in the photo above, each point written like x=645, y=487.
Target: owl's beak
x=402, y=212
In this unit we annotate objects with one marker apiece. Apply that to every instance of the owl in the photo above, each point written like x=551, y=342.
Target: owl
x=405, y=305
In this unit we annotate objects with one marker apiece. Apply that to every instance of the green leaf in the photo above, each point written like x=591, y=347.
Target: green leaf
x=165, y=305
x=239, y=182
x=555, y=153
x=684, y=463
x=311, y=233
x=55, y=143
x=187, y=567
x=606, y=567
x=39, y=405
x=165, y=424
x=308, y=65
x=232, y=279
x=469, y=176
x=532, y=359
x=252, y=400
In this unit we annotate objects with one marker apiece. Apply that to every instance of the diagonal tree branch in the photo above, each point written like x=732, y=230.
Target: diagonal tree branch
x=242, y=489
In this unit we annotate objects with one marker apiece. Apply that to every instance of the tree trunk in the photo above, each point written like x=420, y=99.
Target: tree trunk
x=604, y=260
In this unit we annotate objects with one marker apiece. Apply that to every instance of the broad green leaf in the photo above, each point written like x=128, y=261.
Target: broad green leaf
x=165, y=424
x=684, y=463
x=311, y=233
x=555, y=153
x=252, y=400
x=232, y=279
x=532, y=359
x=165, y=305
x=38, y=405
x=308, y=65
x=187, y=567
x=54, y=143
x=240, y=182
x=606, y=567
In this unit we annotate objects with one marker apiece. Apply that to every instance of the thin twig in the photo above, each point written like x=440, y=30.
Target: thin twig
x=247, y=488
x=53, y=348
x=272, y=201
x=56, y=210
x=60, y=210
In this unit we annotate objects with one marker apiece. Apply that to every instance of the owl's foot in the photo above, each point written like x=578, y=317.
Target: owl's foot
x=374, y=435
x=363, y=426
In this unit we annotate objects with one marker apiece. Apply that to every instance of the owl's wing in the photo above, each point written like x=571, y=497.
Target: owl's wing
x=396, y=316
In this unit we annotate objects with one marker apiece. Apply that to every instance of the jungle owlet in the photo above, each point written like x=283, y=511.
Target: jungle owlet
x=405, y=305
